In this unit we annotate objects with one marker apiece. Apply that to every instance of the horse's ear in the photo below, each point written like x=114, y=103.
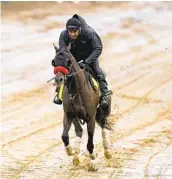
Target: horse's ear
x=69, y=47
x=56, y=49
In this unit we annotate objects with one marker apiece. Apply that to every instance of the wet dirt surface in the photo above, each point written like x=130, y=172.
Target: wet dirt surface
x=137, y=58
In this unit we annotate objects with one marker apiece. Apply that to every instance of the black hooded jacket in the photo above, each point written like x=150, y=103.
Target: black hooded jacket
x=87, y=46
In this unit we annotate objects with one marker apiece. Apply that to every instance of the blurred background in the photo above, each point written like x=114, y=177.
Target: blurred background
x=137, y=58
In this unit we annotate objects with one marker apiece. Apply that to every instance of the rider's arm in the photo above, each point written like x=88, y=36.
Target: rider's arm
x=63, y=39
x=96, y=45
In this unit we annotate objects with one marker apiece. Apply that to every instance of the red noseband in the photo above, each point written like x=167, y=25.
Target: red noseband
x=61, y=69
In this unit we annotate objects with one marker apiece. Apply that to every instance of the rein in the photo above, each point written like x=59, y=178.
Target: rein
x=75, y=73
x=71, y=85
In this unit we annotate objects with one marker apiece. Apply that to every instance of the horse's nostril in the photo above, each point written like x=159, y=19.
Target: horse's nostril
x=54, y=84
x=61, y=79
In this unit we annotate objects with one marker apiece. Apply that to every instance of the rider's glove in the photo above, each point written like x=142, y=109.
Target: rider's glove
x=83, y=65
x=86, y=61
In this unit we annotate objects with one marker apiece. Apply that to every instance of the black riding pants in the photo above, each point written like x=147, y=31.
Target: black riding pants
x=99, y=75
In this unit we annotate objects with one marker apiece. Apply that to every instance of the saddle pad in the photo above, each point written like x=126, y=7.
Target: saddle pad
x=95, y=83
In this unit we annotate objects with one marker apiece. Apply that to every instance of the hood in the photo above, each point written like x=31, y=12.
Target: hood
x=82, y=20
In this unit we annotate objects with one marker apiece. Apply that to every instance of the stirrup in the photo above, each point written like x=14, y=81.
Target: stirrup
x=108, y=93
x=103, y=101
x=56, y=100
x=104, y=98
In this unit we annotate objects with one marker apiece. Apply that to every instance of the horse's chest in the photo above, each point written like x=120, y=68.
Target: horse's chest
x=79, y=111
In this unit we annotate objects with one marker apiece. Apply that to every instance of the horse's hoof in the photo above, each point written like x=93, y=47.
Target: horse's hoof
x=70, y=151
x=93, y=156
x=107, y=154
x=76, y=160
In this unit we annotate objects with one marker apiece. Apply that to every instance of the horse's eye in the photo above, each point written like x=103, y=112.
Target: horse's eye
x=68, y=62
x=61, y=79
x=53, y=62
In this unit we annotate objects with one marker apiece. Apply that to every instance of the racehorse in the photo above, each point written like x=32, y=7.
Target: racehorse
x=80, y=103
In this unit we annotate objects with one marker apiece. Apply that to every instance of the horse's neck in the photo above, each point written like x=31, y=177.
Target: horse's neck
x=80, y=78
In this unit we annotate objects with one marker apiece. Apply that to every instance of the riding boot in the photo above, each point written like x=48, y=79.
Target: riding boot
x=100, y=75
x=104, y=91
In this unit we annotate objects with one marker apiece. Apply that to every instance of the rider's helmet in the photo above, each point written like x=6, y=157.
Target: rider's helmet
x=73, y=23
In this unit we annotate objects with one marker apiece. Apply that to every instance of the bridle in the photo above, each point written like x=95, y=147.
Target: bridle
x=70, y=69
x=65, y=82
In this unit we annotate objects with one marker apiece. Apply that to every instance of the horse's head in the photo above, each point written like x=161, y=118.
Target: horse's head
x=61, y=63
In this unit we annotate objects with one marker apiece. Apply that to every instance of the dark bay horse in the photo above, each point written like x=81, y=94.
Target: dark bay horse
x=80, y=103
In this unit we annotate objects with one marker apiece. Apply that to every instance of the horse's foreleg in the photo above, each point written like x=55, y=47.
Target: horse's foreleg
x=90, y=129
x=79, y=132
x=65, y=136
x=90, y=146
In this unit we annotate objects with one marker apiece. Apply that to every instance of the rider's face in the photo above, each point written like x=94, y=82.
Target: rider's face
x=73, y=33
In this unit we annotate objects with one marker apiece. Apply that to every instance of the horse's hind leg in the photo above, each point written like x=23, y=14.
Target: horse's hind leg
x=105, y=131
x=79, y=132
x=106, y=144
x=65, y=136
x=101, y=118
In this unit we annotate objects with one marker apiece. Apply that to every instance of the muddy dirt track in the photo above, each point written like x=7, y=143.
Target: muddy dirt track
x=137, y=58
